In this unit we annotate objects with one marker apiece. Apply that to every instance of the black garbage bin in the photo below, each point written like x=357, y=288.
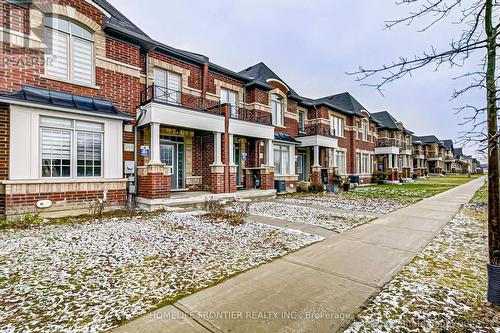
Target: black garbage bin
x=280, y=186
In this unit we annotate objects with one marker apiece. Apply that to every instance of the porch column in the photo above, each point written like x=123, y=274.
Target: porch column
x=217, y=148
x=269, y=153
x=217, y=168
x=389, y=160
x=316, y=156
x=155, y=144
x=231, y=149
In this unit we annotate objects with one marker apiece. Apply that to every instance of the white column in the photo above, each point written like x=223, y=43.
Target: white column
x=389, y=161
x=217, y=148
x=316, y=156
x=269, y=153
x=155, y=143
x=231, y=149
x=334, y=156
x=292, y=159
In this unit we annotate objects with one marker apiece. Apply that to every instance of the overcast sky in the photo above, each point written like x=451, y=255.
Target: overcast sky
x=312, y=44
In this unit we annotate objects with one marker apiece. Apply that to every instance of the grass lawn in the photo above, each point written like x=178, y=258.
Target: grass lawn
x=444, y=288
x=410, y=193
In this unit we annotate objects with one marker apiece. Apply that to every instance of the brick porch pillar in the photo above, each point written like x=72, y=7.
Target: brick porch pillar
x=316, y=175
x=394, y=175
x=233, y=169
x=154, y=181
x=217, y=178
x=331, y=174
x=267, y=178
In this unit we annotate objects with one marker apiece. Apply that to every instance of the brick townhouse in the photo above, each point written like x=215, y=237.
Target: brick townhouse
x=394, y=148
x=92, y=108
x=333, y=134
x=433, y=152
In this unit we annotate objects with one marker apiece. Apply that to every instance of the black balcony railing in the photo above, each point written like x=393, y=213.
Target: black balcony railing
x=388, y=143
x=178, y=98
x=318, y=129
x=255, y=116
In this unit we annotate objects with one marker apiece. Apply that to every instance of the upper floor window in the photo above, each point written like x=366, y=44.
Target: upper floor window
x=277, y=108
x=301, y=122
x=337, y=126
x=364, y=130
x=70, y=50
x=167, y=86
x=231, y=97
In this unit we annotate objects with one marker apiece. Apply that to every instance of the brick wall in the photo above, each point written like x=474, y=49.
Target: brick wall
x=256, y=95
x=203, y=157
x=123, y=52
x=195, y=77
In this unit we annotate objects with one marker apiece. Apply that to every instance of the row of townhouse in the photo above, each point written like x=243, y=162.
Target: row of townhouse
x=92, y=107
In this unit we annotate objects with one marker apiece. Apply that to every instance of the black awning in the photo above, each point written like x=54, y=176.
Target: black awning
x=282, y=136
x=99, y=107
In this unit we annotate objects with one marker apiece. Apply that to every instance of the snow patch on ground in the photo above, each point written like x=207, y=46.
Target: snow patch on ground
x=94, y=276
x=442, y=289
x=332, y=200
x=334, y=221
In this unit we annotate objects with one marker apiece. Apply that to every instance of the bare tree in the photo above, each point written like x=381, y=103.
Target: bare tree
x=479, y=40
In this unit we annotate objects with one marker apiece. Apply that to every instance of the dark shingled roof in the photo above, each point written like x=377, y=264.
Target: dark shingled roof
x=260, y=73
x=344, y=101
x=427, y=139
x=282, y=136
x=387, y=121
x=99, y=107
x=448, y=144
x=458, y=152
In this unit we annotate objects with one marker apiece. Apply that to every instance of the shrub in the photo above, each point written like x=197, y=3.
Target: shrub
x=4, y=224
x=217, y=212
x=316, y=188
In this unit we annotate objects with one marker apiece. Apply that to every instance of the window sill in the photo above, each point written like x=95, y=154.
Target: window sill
x=76, y=83
x=63, y=180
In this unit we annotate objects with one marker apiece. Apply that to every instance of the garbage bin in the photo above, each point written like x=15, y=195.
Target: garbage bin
x=354, y=179
x=280, y=186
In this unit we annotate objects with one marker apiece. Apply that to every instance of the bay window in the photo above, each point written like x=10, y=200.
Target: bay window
x=277, y=108
x=70, y=51
x=282, y=159
x=70, y=147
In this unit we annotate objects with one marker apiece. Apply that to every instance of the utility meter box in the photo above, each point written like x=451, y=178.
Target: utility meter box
x=129, y=167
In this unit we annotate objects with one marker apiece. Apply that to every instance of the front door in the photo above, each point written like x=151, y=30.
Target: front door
x=172, y=154
x=301, y=167
x=237, y=161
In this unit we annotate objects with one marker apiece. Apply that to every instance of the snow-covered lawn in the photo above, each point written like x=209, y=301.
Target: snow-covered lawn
x=334, y=200
x=93, y=276
x=337, y=222
x=442, y=289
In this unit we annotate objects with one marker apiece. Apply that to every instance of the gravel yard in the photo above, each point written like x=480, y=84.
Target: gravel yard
x=442, y=289
x=96, y=275
x=337, y=222
x=337, y=200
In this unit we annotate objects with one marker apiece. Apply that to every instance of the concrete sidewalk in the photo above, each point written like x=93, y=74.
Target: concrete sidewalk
x=319, y=288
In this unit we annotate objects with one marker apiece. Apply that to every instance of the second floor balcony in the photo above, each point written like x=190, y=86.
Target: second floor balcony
x=388, y=142
x=317, y=129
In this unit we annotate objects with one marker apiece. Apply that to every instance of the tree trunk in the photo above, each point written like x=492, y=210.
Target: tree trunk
x=493, y=183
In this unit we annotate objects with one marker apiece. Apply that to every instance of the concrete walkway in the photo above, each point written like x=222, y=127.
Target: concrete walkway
x=319, y=288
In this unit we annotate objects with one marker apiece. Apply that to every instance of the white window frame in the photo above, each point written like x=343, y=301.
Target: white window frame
x=73, y=147
x=337, y=126
x=70, y=47
x=341, y=167
x=286, y=168
x=162, y=89
x=364, y=130
x=278, y=101
x=225, y=97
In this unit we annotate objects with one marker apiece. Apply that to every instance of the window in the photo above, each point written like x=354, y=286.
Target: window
x=58, y=145
x=301, y=122
x=365, y=164
x=231, y=97
x=341, y=162
x=70, y=50
x=277, y=107
x=358, y=163
x=282, y=159
x=337, y=126
x=364, y=129
x=167, y=86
